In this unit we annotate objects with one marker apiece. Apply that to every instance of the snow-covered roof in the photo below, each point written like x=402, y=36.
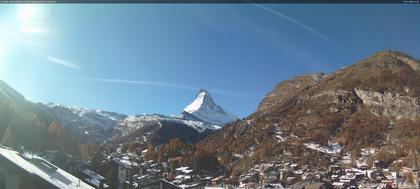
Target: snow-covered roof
x=92, y=174
x=94, y=178
x=40, y=167
x=125, y=162
x=185, y=170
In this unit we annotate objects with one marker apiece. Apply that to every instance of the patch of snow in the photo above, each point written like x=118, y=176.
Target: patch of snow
x=367, y=151
x=132, y=123
x=317, y=76
x=280, y=138
x=332, y=149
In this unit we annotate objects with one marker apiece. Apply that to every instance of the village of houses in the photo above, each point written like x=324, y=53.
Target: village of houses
x=20, y=167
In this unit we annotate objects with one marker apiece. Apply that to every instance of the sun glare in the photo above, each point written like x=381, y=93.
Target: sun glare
x=3, y=47
x=27, y=28
x=27, y=12
x=31, y=18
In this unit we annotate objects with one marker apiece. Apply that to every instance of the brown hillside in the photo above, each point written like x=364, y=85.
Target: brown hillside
x=373, y=103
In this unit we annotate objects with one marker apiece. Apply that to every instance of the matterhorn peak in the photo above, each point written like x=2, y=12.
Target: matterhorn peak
x=204, y=109
x=203, y=91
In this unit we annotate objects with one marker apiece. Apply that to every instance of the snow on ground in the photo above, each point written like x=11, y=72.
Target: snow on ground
x=332, y=149
x=317, y=76
x=280, y=138
x=367, y=151
x=89, y=116
x=91, y=124
x=132, y=123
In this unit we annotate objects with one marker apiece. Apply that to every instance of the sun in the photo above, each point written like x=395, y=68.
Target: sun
x=31, y=19
x=26, y=26
x=27, y=12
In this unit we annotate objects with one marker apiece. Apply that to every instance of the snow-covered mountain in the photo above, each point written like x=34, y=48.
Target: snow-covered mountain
x=197, y=120
x=132, y=123
x=202, y=115
x=93, y=124
x=204, y=109
x=98, y=125
x=159, y=129
x=85, y=125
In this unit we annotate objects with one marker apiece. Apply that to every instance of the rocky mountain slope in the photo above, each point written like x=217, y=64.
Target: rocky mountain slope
x=29, y=125
x=307, y=119
x=158, y=129
x=92, y=125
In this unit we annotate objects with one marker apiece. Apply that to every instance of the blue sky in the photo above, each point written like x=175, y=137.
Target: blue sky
x=153, y=58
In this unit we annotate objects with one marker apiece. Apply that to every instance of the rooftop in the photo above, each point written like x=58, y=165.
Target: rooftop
x=35, y=165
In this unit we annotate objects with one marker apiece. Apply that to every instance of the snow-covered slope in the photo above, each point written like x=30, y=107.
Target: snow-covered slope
x=133, y=123
x=97, y=125
x=197, y=120
x=95, y=117
x=159, y=129
x=204, y=109
x=91, y=123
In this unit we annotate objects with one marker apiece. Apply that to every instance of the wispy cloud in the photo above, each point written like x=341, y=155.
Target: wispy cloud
x=171, y=85
x=161, y=84
x=306, y=27
x=64, y=63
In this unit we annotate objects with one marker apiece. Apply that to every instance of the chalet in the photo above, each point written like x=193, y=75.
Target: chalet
x=158, y=184
x=122, y=170
x=20, y=170
x=94, y=179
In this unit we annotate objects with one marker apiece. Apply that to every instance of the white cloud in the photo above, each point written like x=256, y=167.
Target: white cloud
x=172, y=85
x=146, y=83
x=67, y=64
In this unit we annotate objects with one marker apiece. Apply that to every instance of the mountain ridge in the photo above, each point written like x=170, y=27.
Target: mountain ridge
x=373, y=103
x=92, y=125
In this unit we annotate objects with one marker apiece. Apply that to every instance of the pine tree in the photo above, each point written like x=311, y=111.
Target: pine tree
x=7, y=139
x=55, y=129
x=96, y=158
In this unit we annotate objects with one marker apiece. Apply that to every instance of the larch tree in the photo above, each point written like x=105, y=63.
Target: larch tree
x=7, y=139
